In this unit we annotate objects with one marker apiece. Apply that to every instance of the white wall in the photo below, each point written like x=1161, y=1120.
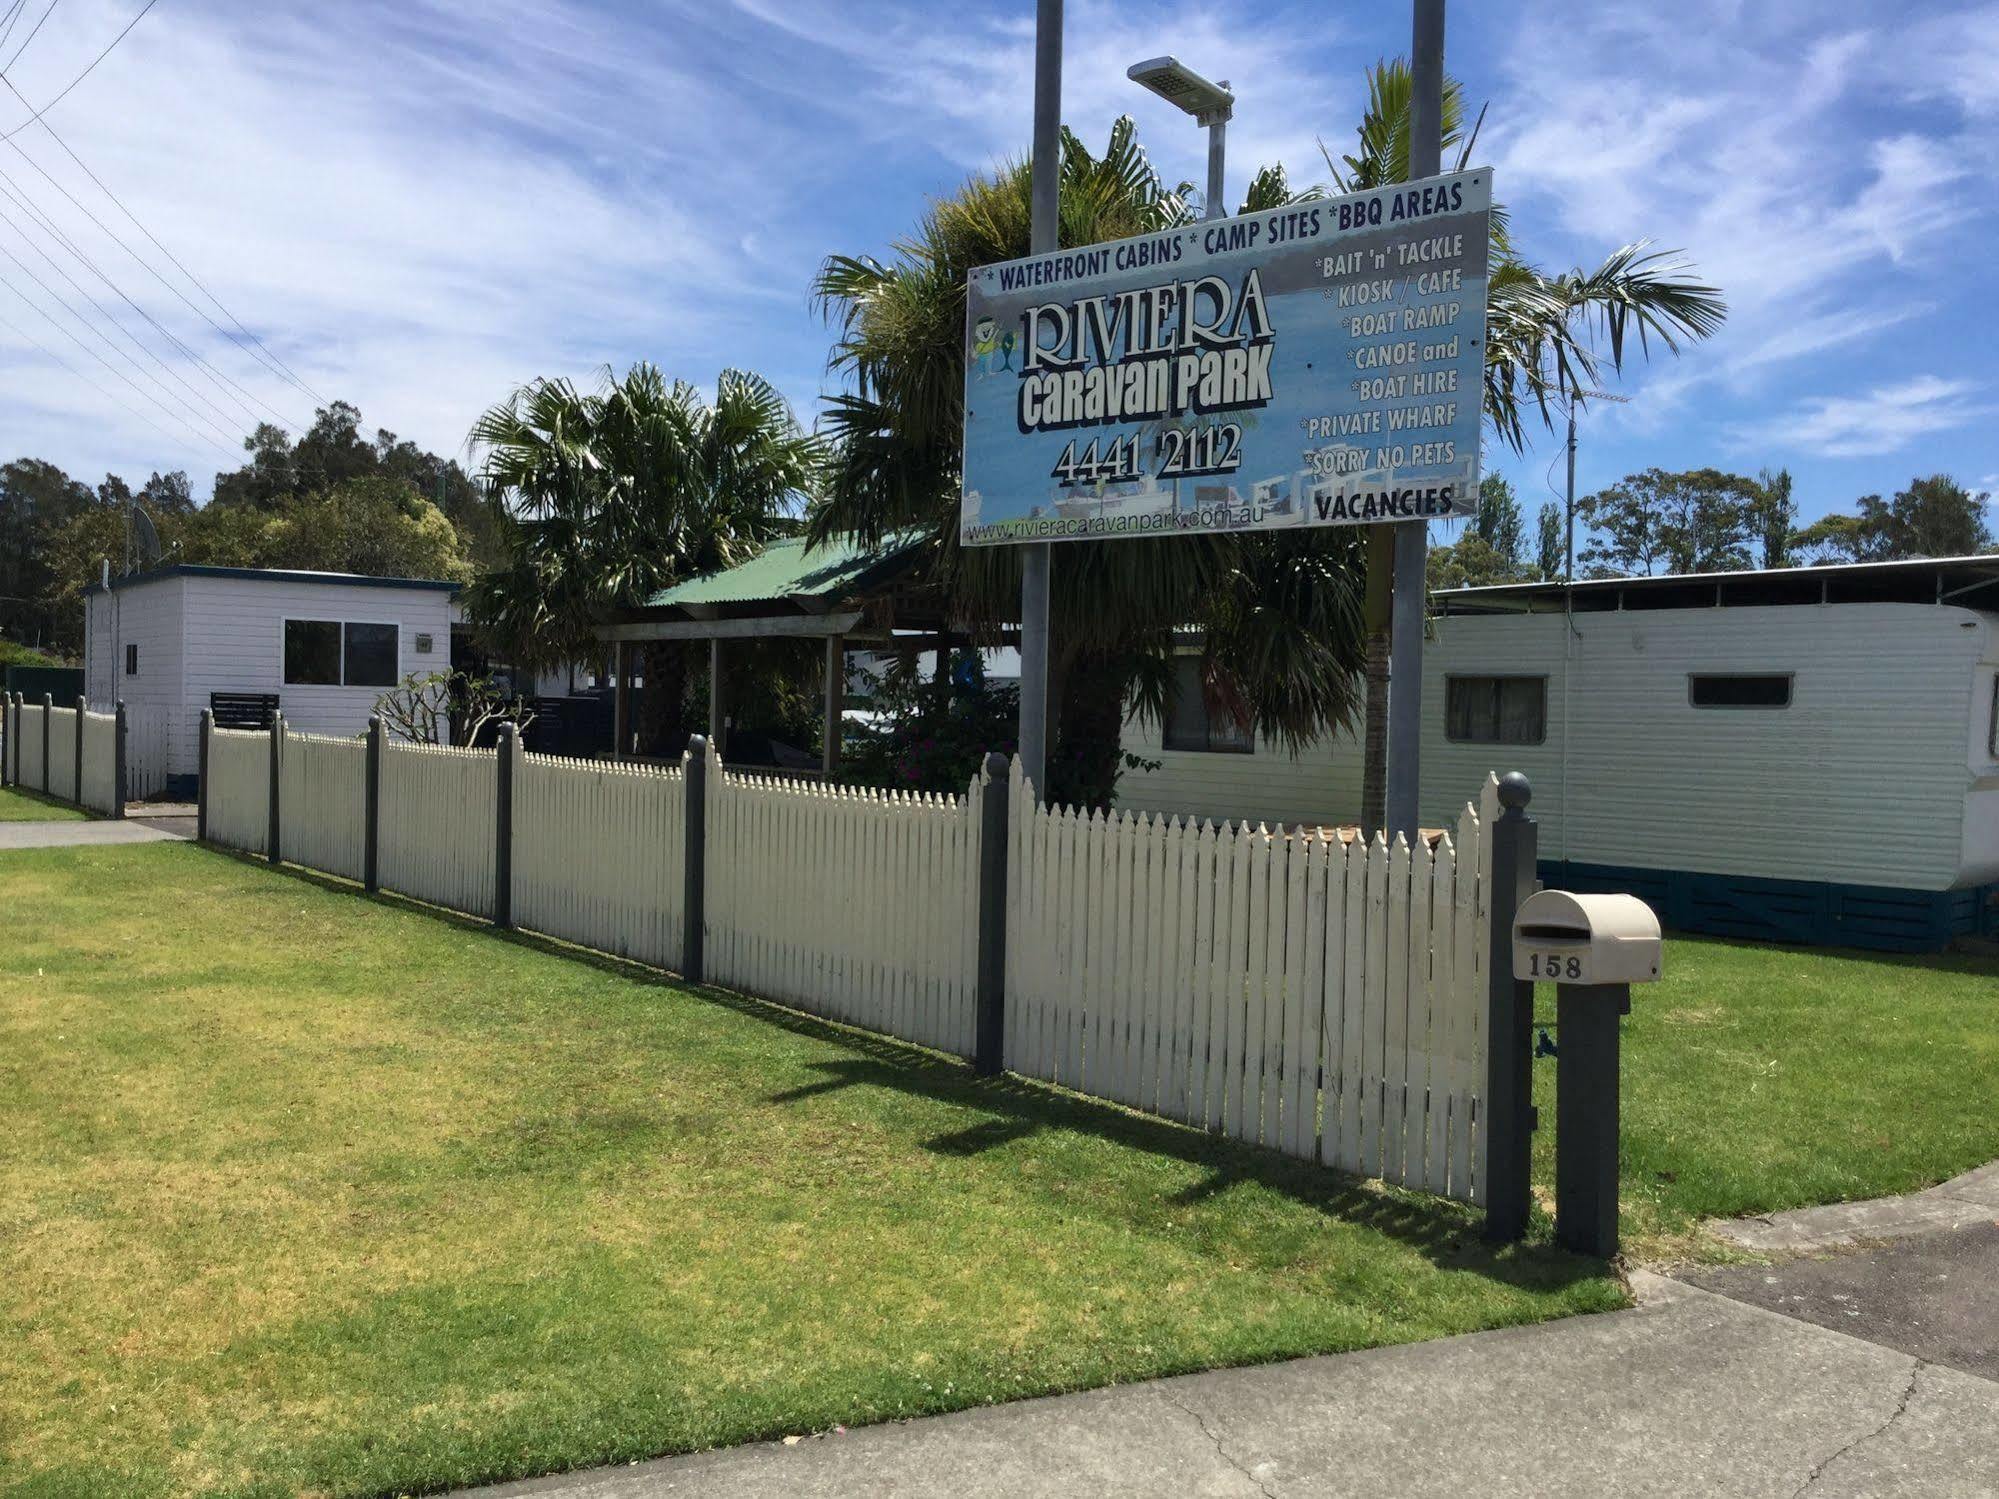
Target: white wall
x=236, y=643
x=151, y=616
x=1862, y=780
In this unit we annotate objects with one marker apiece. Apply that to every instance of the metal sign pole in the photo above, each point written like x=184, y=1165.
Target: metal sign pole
x=1412, y=540
x=1043, y=235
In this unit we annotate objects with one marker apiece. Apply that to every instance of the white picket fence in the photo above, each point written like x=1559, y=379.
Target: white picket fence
x=598, y=855
x=855, y=904
x=99, y=791
x=238, y=789
x=322, y=785
x=437, y=824
x=1323, y=999
x=147, y=726
x=62, y=753
x=29, y=727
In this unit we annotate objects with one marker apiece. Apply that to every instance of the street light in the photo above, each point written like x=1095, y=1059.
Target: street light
x=1209, y=103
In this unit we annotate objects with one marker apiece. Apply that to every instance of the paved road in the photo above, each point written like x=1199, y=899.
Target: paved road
x=1936, y=1297
x=81, y=834
x=1689, y=1393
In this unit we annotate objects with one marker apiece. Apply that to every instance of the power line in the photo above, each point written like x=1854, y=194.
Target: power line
x=270, y=360
x=225, y=417
x=92, y=352
x=191, y=415
x=30, y=36
x=12, y=17
x=145, y=264
x=247, y=400
x=80, y=76
x=20, y=332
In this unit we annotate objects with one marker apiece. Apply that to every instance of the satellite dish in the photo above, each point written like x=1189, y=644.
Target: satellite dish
x=145, y=537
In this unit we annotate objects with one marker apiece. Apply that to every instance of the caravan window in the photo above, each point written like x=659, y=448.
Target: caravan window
x=1495, y=710
x=1762, y=690
x=328, y=653
x=1193, y=722
x=1992, y=734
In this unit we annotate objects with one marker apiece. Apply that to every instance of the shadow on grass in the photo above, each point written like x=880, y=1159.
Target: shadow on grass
x=1444, y=1232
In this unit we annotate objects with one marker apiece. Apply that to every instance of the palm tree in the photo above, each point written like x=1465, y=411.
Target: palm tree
x=609, y=497
x=1278, y=615
x=1282, y=616
x=1547, y=338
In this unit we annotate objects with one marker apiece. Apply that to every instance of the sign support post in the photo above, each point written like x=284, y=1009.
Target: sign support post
x=1043, y=236
x=1412, y=538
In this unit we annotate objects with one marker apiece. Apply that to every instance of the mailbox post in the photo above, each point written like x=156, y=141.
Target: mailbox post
x=1594, y=948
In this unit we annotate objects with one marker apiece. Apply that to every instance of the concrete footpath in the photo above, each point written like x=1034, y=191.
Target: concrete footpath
x=83, y=834
x=1688, y=1393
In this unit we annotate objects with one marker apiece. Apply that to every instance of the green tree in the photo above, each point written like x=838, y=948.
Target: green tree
x=1702, y=521
x=1279, y=614
x=1547, y=337
x=35, y=497
x=1934, y=517
x=333, y=451
x=1774, y=517
x=365, y=524
x=1551, y=545
x=1499, y=522
x=608, y=497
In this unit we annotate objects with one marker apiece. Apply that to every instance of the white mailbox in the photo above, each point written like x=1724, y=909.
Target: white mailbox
x=1585, y=939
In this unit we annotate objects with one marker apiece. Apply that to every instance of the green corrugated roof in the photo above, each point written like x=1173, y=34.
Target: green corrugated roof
x=785, y=569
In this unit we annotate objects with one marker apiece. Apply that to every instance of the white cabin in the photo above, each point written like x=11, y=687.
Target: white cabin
x=325, y=645
x=1809, y=753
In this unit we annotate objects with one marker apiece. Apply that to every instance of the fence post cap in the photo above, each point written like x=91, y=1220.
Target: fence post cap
x=996, y=765
x=697, y=745
x=1514, y=791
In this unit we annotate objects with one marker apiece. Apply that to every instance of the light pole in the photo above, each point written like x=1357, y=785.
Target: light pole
x=1043, y=236
x=1569, y=513
x=1209, y=103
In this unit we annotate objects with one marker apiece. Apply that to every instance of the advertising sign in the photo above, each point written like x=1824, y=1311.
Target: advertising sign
x=1319, y=364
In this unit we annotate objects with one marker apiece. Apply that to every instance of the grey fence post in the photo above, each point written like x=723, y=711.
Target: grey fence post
x=10, y=728
x=118, y=762
x=1509, y=1061
x=989, y=1043
x=277, y=760
x=201, y=776
x=371, y=834
x=503, y=825
x=694, y=862
x=48, y=715
x=76, y=786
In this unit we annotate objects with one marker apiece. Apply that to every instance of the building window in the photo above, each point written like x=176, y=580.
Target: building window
x=131, y=660
x=371, y=656
x=1758, y=690
x=1196, y=721
x=327, y=653
x=1495, y=710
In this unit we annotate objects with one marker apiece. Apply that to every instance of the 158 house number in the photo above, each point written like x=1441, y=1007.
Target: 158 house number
x=1565, y=967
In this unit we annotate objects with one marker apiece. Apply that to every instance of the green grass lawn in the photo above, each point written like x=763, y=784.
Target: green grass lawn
x=305, y=1191
x=31, y=806
x=1758, y=1078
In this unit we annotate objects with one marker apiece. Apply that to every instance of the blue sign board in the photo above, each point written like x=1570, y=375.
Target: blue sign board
x=1318, y=364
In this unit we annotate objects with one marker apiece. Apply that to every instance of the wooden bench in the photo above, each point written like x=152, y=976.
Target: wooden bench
x=243, y=710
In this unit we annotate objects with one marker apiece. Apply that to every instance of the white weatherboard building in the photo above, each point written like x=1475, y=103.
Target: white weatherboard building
x=325, y=645
x=1809, y=754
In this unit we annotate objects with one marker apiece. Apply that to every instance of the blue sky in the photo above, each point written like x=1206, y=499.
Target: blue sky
x=420, y=204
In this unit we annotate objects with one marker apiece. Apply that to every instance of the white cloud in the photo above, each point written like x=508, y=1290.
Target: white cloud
x=1776, y=154
x=1882, y=420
